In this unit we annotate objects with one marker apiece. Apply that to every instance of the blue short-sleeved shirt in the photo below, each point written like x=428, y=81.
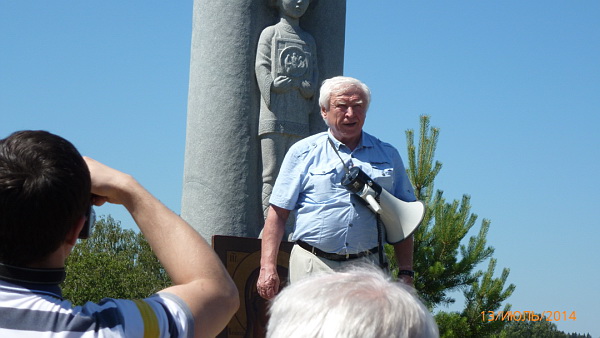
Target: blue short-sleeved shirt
x=328, y=216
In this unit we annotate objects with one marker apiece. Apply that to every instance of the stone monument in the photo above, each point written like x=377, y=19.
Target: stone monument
x=287, y=75
x=222, y=182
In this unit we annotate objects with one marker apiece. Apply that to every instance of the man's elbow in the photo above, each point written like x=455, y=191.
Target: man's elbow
x=217, y=310
x=231, y=298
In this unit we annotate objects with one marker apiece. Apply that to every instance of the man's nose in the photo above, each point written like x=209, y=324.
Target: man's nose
x=350, y=112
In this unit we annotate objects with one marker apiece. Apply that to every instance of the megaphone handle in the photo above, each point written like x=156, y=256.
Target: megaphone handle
x=373, y=203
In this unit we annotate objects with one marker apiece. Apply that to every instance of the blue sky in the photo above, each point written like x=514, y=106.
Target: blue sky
x=513, y=85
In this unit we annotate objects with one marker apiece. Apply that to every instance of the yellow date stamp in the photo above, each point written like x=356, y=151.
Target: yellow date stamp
x=521, y=316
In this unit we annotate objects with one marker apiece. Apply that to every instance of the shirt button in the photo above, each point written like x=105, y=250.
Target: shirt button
x=350, y=224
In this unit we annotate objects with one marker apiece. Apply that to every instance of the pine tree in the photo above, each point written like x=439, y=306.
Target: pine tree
x=443, y=262
x=486, y=294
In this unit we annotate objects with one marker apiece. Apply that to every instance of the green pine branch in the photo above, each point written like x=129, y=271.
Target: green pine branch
x=445, y=259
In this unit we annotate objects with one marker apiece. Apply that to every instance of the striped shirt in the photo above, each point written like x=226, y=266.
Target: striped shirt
x=39, y=311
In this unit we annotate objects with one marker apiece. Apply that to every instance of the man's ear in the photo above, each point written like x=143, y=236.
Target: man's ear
x=73, y=234
x=323, y=112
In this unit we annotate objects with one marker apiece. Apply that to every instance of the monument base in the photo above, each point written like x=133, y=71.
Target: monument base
x=241, y=258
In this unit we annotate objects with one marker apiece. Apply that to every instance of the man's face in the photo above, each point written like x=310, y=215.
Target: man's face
x=346, y=115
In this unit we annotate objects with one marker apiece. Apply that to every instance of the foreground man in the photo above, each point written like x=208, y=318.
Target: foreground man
x=359, y=302
x=333, y=227
x=46, y=192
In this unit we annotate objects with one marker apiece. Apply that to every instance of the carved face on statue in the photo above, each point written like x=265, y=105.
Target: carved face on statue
x=293, y=8
x=346, y=114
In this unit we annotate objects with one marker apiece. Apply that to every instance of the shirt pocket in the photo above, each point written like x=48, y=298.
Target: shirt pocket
x=383, y=174
x=323, y=184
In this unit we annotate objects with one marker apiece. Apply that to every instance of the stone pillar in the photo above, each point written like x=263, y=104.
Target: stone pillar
x=222, y=180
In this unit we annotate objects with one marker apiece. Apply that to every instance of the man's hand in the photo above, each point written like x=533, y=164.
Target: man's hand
x=406, y=279
x=108, y=184
x=268, y=283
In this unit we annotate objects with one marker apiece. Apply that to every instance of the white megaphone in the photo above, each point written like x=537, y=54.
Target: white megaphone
x=400, y=218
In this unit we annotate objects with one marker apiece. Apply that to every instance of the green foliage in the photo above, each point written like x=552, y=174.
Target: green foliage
x=444, y=259
x=530, y=329
x=452, y=324
x=486, y=294
x=112, y=263
x=534, y=329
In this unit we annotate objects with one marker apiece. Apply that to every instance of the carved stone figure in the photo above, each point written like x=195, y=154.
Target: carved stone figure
x=287, y=74
x=222, y=176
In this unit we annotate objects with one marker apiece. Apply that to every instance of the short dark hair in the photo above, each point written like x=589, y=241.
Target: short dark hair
x=45, y=188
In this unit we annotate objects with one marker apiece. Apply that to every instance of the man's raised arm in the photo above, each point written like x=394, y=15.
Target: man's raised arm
x=199, y=278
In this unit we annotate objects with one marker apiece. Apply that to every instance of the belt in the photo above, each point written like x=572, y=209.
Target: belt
x=333, y=256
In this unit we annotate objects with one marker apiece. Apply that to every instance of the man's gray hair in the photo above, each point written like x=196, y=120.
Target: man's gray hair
x=340, y=84
x=360, y=302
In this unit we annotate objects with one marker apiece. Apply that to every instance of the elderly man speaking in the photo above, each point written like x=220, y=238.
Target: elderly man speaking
x=333, y=226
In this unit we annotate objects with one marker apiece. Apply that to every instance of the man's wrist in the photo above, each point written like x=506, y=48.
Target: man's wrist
x=268, y=267
x=405, y=272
